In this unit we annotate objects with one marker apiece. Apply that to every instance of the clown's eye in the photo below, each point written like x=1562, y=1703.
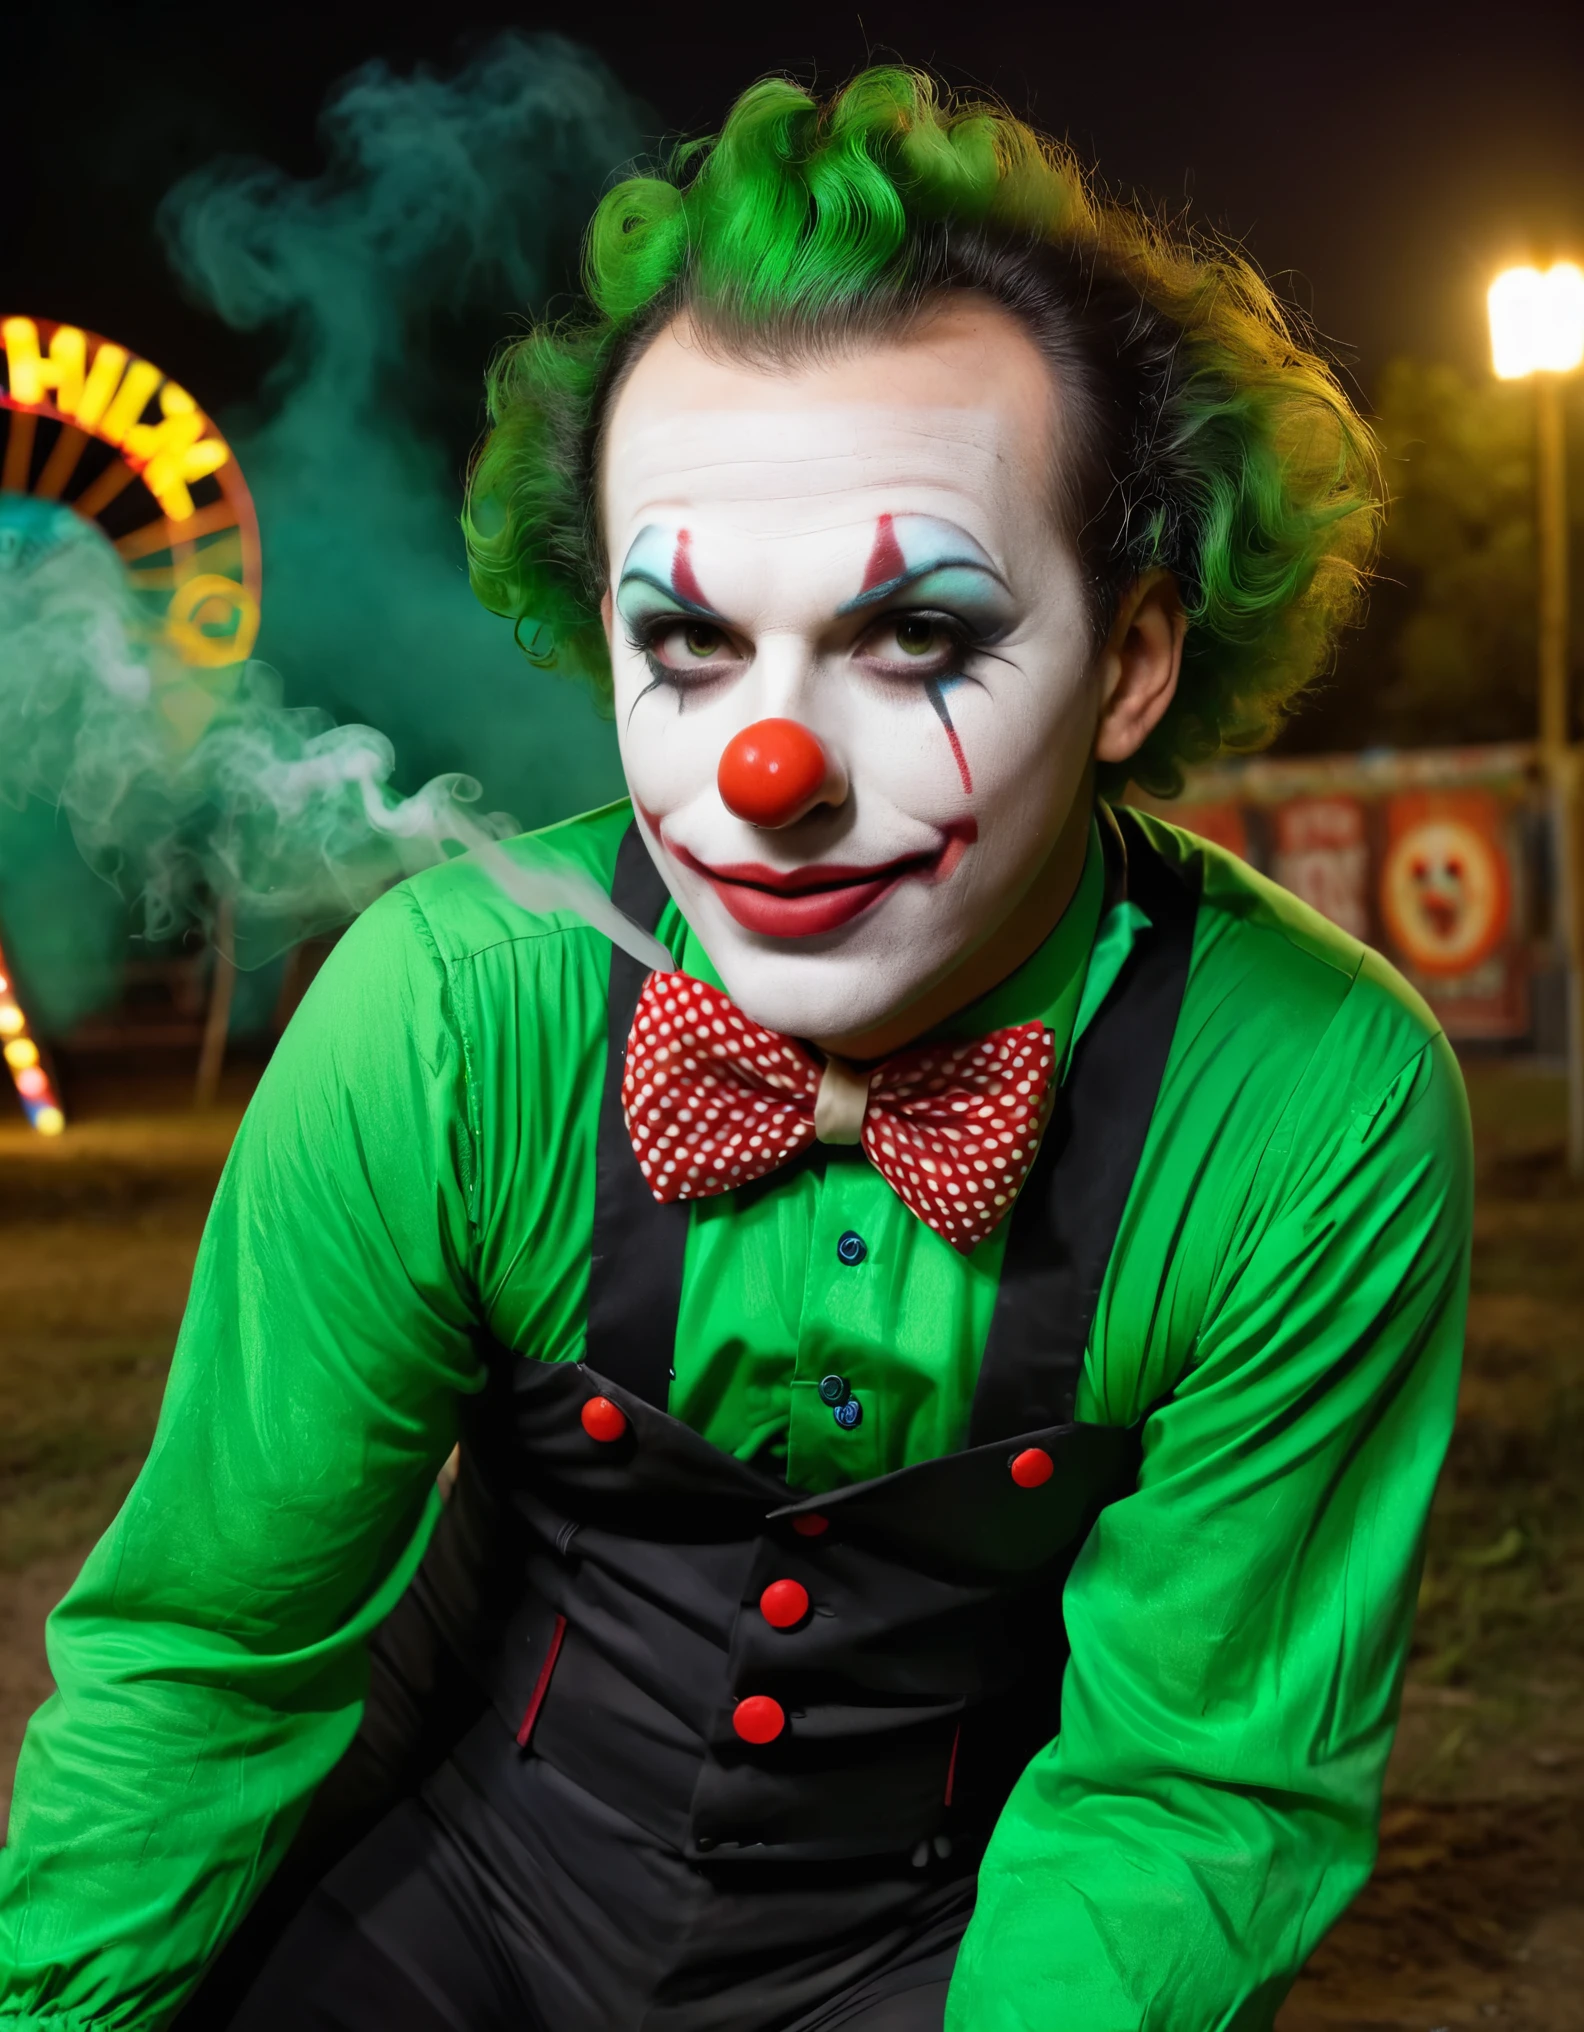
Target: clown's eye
x=679, y=647
x=696, y=642
x=926, y=643
x=916, y=636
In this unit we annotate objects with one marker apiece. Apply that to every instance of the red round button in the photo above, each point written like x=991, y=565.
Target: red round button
x=811, y=1526
x=1032, y=1467
x=783, y=1603
x=758, y=1719
x=602, y=1419
x=772, y=772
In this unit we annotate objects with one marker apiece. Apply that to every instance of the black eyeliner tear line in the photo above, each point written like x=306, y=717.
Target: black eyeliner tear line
x=654, y=684
x=662, y=679
x=937, y=698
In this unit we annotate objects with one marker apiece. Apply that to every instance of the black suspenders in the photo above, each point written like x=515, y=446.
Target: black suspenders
x=635, y=1266
x=1063, y=1228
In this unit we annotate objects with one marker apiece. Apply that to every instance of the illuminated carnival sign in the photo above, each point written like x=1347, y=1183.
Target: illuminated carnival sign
x=111, y=437
x=1445, y=892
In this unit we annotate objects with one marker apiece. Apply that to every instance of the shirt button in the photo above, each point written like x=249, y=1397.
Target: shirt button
x=848, y=1415
x=852, y=1248
x=758, y=1719
x=602, y=1419
x=1032, y=1468
x=834, y=1390
x=784, y=1603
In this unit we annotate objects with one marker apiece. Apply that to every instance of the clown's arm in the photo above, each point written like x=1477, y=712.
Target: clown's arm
x=211, y=1658
x=1239, y=1624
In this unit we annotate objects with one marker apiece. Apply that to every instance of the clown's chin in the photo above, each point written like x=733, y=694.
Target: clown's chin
x=844, y=983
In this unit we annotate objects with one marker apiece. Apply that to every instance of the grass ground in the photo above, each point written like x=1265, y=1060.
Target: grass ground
x=1475, y=1915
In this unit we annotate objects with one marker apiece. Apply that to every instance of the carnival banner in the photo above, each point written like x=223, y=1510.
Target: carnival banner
x=1447, y=880
x=1322, y=855
x=1427, y=855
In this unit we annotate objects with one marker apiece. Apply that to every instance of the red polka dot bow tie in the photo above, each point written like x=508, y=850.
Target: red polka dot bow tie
x=713, y=1101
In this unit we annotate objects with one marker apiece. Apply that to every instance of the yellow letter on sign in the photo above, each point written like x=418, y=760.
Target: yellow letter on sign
x=30, y=375
x=175, y=453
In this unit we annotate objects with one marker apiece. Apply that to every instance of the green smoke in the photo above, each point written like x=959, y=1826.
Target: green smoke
x=66, y=658
x=448, y=206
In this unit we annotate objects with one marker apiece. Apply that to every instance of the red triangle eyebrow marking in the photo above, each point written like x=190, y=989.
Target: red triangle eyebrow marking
x=684, y=580
x=886, y=561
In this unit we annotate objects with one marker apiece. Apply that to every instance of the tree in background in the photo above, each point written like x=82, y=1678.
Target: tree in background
x=1448, y=652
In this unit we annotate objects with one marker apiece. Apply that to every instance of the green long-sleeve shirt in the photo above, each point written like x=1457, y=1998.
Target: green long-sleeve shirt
x=1284, y=1310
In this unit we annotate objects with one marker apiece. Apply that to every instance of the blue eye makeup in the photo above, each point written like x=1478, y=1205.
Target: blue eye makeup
x=925, y=574
x=657, y=577
x=931, y=563
x=661, y=603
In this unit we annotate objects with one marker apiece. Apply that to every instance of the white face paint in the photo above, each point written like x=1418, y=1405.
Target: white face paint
x=867, y=548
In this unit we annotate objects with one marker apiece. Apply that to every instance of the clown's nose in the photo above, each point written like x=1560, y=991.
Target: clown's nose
x=772, y=772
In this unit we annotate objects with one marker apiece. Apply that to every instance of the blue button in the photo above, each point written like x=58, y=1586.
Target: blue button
x=834, y=1390
x=849, y=1414
x=852, y=1248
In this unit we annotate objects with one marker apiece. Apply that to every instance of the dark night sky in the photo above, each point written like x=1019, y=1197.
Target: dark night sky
x=1381, y=161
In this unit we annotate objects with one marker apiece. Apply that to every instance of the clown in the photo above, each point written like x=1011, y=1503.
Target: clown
x=950, y=1371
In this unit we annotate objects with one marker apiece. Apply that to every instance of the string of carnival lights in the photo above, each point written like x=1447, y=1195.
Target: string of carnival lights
x=30, y=1076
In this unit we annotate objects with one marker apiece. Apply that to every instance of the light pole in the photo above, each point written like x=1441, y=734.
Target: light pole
x=1537, y=333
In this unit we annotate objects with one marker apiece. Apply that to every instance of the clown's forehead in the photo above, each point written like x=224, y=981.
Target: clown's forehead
x=814, y=470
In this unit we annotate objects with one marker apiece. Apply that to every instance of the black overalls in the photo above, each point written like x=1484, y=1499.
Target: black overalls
x=581, y=1840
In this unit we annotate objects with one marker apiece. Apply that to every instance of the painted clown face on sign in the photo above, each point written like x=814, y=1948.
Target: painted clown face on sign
x=856, y=685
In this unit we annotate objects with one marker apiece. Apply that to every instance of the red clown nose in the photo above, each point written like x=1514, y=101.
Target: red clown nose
x=772, y=772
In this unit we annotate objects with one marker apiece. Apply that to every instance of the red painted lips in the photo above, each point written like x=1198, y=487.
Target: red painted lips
x=823, y=895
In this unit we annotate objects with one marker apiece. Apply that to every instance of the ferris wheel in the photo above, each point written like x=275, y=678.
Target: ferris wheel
x=95, y=430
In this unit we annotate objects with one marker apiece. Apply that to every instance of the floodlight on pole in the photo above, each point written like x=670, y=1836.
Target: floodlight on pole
x=1537, y=321
x=1537, y=333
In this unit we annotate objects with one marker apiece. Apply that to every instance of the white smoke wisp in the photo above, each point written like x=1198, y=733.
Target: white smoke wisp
x=181, y=792
x=313, y=829
x=306, y=791
x=433, y=815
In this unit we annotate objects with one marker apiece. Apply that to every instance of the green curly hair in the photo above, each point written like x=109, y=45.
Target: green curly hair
x=1204, y=436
